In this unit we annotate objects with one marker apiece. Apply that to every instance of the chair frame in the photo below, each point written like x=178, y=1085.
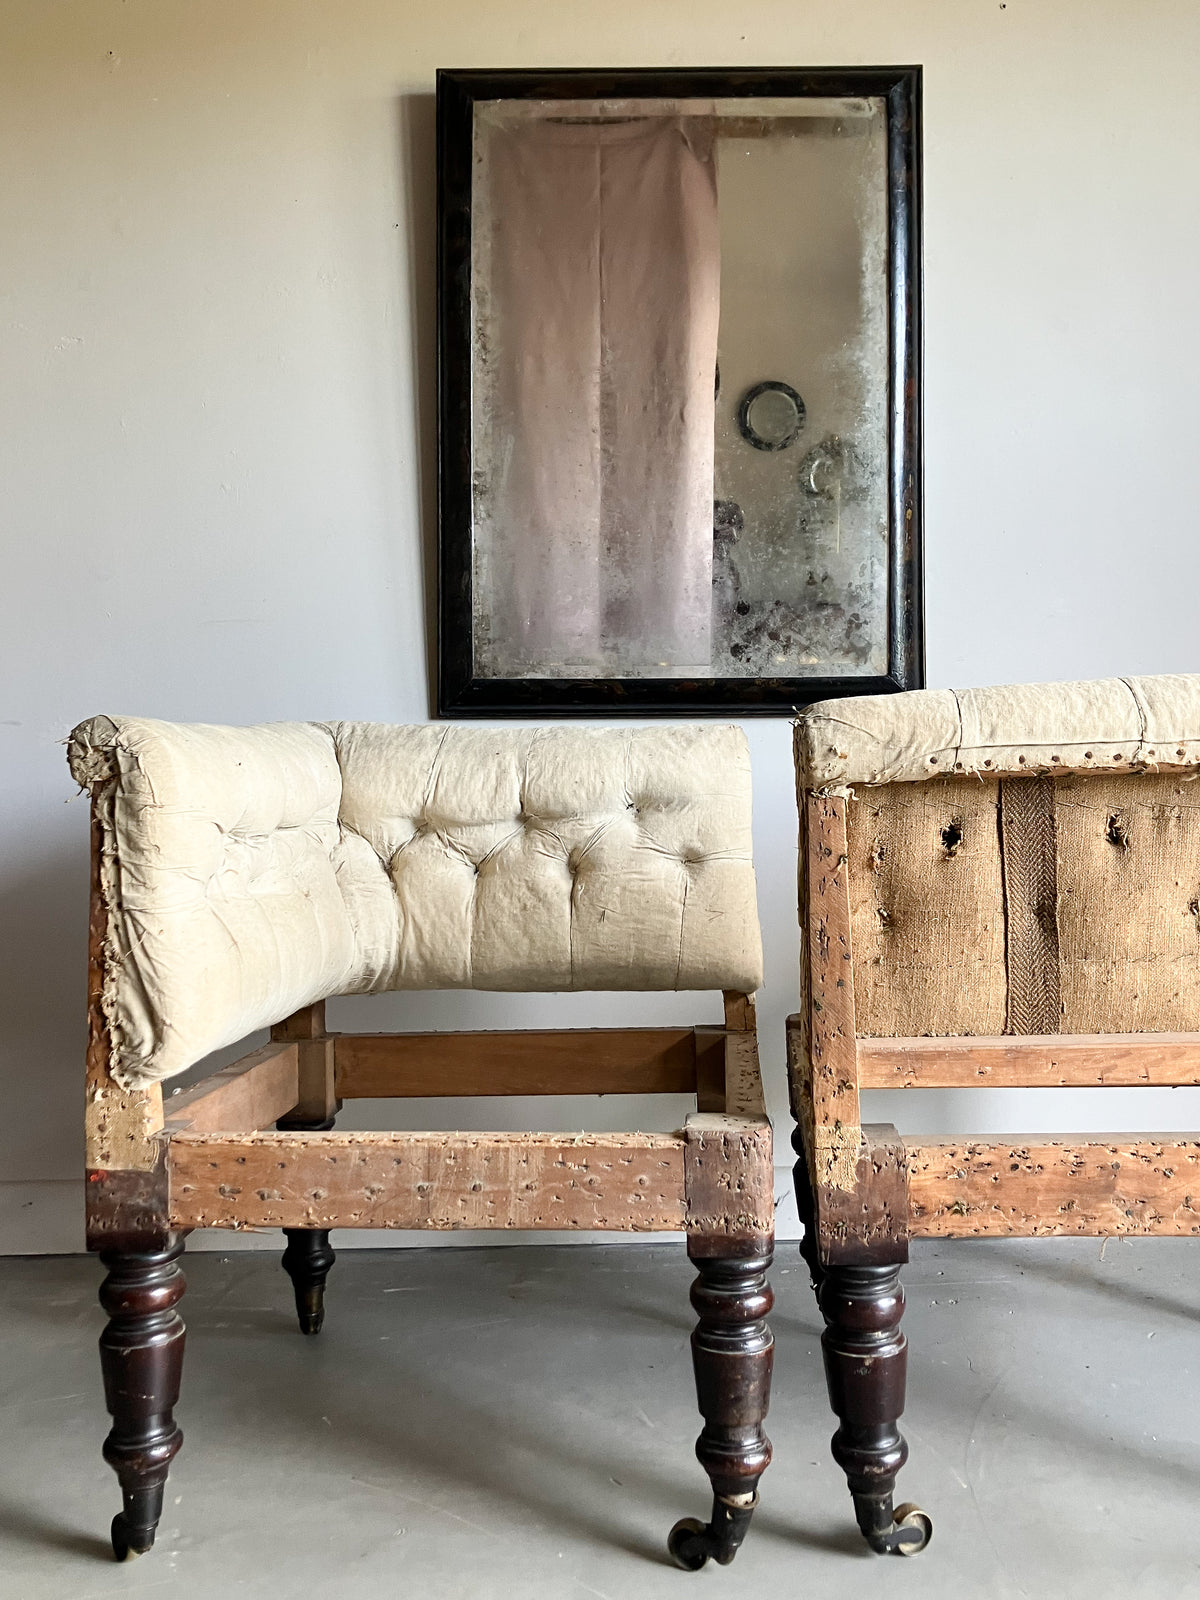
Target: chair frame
x=865, y=1191
x=253, y=1146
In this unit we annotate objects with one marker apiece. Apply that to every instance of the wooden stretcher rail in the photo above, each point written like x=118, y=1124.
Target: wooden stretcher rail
x=1042, y=1184
x=1034, y=1061
x=608, y=1181
x=587, y=1061
x=251, y=1093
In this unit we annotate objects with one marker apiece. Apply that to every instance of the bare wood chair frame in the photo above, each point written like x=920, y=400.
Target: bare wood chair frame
x=253, y=1146
x=865, y=1191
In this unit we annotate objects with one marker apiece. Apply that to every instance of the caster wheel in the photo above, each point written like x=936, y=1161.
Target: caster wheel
x=688, y=1544
x=123, y=1548
x=913, y=1529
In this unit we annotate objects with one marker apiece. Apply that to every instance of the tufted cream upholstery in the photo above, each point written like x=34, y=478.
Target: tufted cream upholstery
x=1109, y=724
x=249, y=871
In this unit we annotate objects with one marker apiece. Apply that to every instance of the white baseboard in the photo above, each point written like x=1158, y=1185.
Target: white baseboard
x=46, y=1219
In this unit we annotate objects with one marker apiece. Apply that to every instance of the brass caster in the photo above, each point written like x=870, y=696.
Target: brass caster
x=913, y=1529
x=910, y=1531
x=901, y=1532
x=127, y=1543
x=692, y=1543
x=689, y=1544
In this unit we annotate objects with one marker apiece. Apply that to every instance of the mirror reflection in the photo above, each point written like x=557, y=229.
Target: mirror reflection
x=679, y=380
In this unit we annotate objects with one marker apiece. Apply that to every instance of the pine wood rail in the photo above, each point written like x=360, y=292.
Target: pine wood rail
x=622, y=1181
x=1031, y=1061
x=251, y=1093
x=1047, y=1184
x=570, y=1061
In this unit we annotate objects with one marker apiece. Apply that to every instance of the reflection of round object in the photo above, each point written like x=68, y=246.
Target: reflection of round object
x=834, y=467
x=771, y=415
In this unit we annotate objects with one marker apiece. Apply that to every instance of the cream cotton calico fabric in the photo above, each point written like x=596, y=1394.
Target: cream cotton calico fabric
x=247, y=872
x=1107, y=724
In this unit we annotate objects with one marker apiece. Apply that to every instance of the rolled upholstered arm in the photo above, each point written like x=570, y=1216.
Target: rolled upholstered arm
x=1102, y=725
x=246, y=872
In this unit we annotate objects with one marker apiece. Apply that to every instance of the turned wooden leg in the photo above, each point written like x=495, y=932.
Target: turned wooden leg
x=308, y=1256
x=806, y=1210
x=141, y=1356
x=307, y=1261
x=732, y=1351
x=865, y=1364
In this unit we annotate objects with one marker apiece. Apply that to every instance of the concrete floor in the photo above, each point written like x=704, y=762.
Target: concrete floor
x=518, y=1423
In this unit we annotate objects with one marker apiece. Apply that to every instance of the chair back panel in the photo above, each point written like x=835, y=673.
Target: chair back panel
x=1026, y=904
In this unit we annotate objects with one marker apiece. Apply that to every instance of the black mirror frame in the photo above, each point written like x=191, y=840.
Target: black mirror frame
x=460, y=693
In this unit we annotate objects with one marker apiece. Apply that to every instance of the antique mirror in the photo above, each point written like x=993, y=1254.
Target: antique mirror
x=679, y=389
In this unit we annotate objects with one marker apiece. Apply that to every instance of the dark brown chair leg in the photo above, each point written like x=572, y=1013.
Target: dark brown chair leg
x=806, y=1210
x=307, y=1261
x=141, y=1356
x=308, y=1256
x=732, y=1351
x=865, y=1364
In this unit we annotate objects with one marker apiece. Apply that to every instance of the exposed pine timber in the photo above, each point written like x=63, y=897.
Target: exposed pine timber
x=317, y=1099
x=583, y=1061
x=608, y=1181
x=1098, y=1183
x=868, y=1225
x=832, y=1063
x=307, y=1023
x=710, y=1068
x=251, y=1093
x=728, y=1167
x=729, y=1176
x=743, y=1081
x=739, y=1010
x=1034, y=1061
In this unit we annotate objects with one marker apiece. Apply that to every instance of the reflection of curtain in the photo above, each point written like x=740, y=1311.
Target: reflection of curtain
x=600, y=344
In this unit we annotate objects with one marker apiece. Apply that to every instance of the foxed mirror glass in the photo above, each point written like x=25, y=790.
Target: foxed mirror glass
x=679, y=384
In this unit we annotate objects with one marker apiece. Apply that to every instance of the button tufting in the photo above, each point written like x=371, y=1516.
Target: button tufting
x=361, y=888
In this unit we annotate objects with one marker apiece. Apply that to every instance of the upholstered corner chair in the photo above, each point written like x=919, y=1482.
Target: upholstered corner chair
x=241, y=876
x=999, y=888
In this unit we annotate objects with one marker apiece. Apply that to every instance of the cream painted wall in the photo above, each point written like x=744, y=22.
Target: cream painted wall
x=215, y=406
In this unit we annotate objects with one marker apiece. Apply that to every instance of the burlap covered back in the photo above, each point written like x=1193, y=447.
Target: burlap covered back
x=1022, y=859
x=1026, y=905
